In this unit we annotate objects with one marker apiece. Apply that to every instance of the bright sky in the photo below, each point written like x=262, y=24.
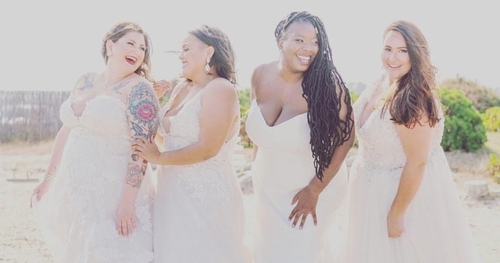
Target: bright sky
x=48, y=44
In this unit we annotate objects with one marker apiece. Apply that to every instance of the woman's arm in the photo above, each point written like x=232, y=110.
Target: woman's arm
x=217, y=114
x=416, y=144
x=57, y=150
x=85, y=81
x=142, y=113
x=55, y=160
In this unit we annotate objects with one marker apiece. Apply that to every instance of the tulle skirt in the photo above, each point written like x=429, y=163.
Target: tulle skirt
x=436, y=228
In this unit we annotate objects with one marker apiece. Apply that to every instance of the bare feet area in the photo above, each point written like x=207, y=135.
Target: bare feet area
x=21, y=242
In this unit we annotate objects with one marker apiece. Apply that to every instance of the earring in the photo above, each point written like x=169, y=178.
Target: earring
x=207, y=66
x=109, y=53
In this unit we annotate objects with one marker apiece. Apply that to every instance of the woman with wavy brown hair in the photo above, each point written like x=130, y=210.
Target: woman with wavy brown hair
x=403, y=205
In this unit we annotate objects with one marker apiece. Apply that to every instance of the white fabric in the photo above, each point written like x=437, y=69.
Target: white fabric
x=436, y=230
x=199, y=214
x=282, y=167
x=78, y=213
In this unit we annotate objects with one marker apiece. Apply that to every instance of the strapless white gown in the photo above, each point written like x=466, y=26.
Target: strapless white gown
x=282, y=167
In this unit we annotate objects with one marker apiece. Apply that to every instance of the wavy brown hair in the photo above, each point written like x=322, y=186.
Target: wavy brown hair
x=118, y=31
x=320, y=84
x=415, y=92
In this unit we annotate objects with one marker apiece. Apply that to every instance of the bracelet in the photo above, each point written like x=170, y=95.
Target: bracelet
x=48, y=177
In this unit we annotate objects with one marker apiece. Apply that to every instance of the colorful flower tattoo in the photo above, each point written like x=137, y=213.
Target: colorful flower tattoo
x=143, y=117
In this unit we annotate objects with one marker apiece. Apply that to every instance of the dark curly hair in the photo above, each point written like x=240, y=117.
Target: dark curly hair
x=323, y=89
x=223, y=59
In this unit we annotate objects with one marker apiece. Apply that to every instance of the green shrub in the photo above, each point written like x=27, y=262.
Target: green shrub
x=481, y=97
x=354, y=96
x=494, y=167
x=491, y=119
x=464, y=129
x=244, y=97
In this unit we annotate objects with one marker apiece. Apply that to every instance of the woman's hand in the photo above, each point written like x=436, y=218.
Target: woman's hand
x=395, y=225
x=161, y=87
x=40, y=190
x=307, y=200
x=146, y=149
x=126, y=221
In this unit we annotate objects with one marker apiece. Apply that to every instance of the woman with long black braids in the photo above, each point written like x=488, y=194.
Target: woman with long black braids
x=302, y=127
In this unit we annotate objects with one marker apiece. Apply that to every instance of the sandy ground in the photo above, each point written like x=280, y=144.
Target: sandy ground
x=21, y=242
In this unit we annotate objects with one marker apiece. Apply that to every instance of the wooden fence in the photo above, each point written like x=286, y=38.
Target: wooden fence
x=30, y=116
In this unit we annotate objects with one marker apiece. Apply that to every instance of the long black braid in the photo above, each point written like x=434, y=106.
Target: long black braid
x=319, y=85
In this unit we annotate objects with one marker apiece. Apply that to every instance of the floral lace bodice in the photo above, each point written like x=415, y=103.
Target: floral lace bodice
x=185, y=128
x=379, y=143
x=102, y=114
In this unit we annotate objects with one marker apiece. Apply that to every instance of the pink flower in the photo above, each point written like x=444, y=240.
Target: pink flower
x=145, y=112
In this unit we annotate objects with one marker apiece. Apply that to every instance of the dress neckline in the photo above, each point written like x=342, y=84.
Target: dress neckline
x=279, y=124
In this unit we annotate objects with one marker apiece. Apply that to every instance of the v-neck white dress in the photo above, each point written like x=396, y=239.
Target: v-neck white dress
x=436, y=230
x=198, y=209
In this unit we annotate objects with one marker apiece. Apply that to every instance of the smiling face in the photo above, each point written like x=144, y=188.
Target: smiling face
x=395, y=57
x=194, y=56
x=299, y=46
x=127, y=52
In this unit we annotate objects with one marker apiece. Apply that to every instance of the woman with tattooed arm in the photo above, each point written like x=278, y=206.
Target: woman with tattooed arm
x=92, y=207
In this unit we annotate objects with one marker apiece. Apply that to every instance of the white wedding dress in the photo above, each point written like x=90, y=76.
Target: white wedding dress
x=198, y=209
x=78, y=214
x=282, y=167
x=436, y=229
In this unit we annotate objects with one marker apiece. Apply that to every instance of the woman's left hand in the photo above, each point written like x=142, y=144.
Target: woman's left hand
x=395, y=225
x=146, y=149
x=306, y=200
x=126, y=220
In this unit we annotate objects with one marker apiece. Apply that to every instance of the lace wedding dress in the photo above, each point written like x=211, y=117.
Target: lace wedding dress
x=282, y=167
x=77, y=215
x=198, y=209
x=436, y=229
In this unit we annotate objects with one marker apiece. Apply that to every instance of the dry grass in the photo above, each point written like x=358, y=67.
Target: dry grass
x=493, y=143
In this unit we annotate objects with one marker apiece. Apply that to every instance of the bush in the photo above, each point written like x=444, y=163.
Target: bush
x=494, y=167
x=244, y=97
x=481, y=97
x=464, y=129
x=491, y=119
x=354, y=96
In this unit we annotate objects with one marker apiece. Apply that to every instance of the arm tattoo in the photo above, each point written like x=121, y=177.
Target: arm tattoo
x=134, y=175
x=88, y=82
x=143, y=110
x=143, y=115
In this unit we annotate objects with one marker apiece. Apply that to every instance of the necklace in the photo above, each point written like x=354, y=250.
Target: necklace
x=106, y=86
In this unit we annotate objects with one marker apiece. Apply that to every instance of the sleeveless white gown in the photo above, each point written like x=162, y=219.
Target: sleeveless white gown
x=282, y=167
x=78, y=214
x=436, y=229
x=198, y=209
